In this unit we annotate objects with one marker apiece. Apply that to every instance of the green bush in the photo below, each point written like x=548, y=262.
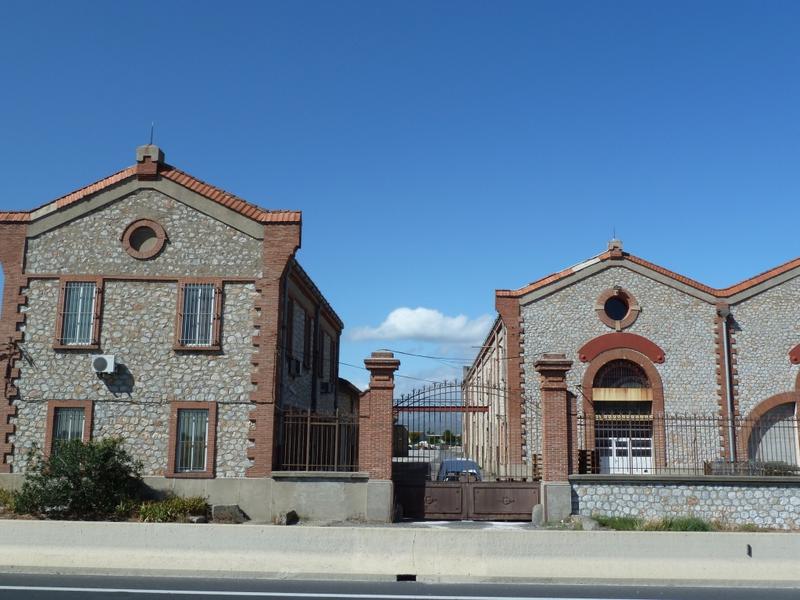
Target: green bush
x=172, y=510
x=80, y=481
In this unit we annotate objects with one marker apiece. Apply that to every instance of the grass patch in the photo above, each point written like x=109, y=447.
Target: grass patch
x=170, y=510
x=665, y=524
x=7, y=499
x=619, y=523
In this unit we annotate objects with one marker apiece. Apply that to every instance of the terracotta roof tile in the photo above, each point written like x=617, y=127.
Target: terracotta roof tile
x=716, y=292
x=168, y=172
x=14, y=217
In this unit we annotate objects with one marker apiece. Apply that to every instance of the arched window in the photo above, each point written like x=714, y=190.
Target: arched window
x=621, y=374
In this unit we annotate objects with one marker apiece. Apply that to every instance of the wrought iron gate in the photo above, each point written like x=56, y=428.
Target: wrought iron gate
x=452, y=459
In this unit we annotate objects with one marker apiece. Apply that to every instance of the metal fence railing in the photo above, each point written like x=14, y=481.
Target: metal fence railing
x=317, y=442
x=637, y=444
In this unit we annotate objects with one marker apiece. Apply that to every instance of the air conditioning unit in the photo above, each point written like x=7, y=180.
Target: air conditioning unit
x=103, y=363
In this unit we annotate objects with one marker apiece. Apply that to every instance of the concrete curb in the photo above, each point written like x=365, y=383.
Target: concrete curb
x=384, y=552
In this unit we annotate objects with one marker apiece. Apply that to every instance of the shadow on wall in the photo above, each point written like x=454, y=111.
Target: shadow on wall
x=121, y=381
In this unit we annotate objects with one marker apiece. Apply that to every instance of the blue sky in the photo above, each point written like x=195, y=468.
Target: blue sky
x=438, y=150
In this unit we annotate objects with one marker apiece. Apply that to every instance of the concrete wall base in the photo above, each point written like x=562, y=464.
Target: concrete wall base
x=557, y=500
x=326, y=497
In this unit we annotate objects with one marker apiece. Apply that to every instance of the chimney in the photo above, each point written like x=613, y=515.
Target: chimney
x=148, y=160
x=615, y=248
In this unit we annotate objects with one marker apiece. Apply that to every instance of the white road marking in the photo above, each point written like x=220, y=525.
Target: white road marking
x=90, y=590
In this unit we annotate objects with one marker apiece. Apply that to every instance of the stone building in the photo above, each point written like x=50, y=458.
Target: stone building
x=208, y=326
x=663, y=374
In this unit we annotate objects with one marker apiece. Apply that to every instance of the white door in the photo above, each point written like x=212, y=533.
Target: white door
x=619, y=455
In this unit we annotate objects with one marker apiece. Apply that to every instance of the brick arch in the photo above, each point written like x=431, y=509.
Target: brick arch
x=759, y=411
x=657, y=405
x=613, y=341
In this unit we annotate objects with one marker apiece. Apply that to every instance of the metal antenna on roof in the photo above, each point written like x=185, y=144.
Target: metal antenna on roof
x=152, y=127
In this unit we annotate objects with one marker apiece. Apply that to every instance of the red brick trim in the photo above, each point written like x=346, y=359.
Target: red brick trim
x=633, y=308
x=722, y=376
x=52, y=405
x=794, y=355
x=161, y=237
x=216, y=333
x=613, y=341
x=758, y=412
x=281, y=241
x=58, y=341
x=12, y=257
x=657, y=405
x=509, y=311
x=211, y=444
x=613, y=255
x=158, y=169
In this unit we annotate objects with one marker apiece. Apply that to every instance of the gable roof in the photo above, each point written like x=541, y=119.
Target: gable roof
x=577, y=272
x=165, y=171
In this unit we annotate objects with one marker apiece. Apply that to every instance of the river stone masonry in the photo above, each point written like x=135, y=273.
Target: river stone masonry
x=680, y=324
x=734, y=504
x=138, y=328
x=197, y=245
x=765, y=332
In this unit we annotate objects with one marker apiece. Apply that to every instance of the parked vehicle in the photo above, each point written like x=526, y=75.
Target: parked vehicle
x=453, y=469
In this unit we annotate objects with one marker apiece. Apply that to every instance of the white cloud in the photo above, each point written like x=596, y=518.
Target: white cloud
x=427, y=325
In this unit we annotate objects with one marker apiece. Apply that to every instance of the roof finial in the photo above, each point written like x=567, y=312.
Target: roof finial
x=152, y=128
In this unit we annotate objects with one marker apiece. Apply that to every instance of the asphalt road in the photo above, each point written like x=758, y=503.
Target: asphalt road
x=84, y=587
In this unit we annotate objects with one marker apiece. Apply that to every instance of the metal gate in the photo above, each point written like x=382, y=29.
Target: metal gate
x=451, y=457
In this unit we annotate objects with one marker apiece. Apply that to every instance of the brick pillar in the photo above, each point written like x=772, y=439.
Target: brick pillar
x=375, y=419
x=12, y=258
x=281, y=241
x=556, y=426
x=509, y=311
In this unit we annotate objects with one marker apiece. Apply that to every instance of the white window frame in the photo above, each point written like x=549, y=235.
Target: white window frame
x=80, y=316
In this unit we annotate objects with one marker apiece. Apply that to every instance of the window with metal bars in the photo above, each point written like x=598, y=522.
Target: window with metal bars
x=68, y=425
x=78, y=313
x=621, y=374
x=199, y=308
x=191, y=448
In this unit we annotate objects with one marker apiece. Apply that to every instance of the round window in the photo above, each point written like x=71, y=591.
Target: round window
x=616, y=308
x=144, y=239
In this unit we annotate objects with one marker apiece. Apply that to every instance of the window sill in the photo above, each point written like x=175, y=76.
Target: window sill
x=215, y=348
x=60, y=346
x=190, y=475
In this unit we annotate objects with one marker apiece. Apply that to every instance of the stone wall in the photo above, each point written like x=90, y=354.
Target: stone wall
x=765, y=328
x=138, y=328
x=682, y=325
x=198, y=244
x=766, y=503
